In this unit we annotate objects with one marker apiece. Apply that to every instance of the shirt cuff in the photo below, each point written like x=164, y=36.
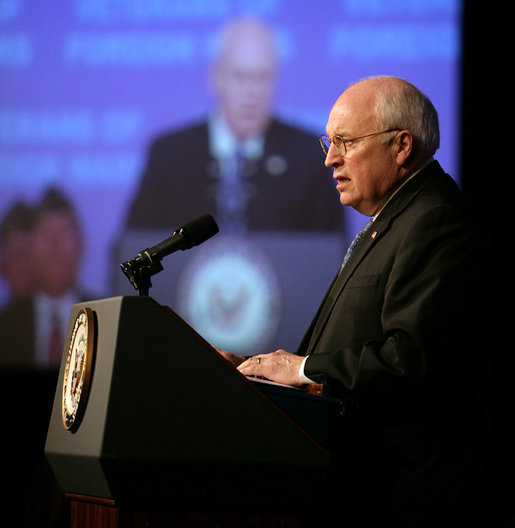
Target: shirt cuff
x=303, y=378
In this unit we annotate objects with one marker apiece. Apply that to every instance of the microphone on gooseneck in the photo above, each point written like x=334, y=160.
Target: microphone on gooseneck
x=189, y=235
x=148, y=261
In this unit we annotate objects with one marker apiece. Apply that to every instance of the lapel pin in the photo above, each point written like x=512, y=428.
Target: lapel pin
x=373, y=235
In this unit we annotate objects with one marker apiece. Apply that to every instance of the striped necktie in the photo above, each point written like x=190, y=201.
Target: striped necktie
x=355, y=242
x=232, y=196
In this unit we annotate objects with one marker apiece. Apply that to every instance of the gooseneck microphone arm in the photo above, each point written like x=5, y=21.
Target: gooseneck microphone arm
x=148, y=261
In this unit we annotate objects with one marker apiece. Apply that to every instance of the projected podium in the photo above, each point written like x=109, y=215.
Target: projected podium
x=153, y=419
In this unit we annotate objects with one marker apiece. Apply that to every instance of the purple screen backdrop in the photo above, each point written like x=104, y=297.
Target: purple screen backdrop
x=86, y=84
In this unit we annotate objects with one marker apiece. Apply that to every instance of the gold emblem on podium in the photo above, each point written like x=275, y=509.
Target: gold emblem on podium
x=77, y=370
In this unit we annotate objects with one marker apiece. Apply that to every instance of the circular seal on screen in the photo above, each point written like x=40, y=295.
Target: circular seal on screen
x=229, y=294
x=77, y=371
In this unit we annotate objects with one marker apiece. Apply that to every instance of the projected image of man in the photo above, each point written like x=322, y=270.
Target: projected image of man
x=241, y=162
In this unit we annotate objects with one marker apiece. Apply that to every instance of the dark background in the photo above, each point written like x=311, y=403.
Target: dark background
x=486, y=178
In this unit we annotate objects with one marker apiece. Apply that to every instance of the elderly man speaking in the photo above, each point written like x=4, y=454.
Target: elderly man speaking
x=398, y=334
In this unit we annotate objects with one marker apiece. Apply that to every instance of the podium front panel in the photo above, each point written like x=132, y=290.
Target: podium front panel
x=167, y=416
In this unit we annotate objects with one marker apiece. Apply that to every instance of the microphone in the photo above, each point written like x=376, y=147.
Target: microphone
x=189, y=235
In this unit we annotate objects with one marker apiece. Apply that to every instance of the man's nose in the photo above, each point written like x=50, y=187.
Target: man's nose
x=333, y=157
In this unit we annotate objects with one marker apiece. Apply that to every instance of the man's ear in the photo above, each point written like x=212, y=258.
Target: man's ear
x=403, y=146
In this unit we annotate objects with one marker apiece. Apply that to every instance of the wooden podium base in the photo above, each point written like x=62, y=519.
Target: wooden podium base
x=94, y=512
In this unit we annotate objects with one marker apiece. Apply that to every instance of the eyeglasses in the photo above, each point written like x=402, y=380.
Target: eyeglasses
x=341, y=143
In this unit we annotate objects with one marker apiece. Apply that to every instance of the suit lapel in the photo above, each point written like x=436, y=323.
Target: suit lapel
x=366, y=243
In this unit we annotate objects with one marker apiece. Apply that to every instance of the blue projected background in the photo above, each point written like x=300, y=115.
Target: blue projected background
x=87, y=84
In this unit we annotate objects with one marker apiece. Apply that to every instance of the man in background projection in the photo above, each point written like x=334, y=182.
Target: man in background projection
x=32, y=330
x=27, y=325
x=250, y=170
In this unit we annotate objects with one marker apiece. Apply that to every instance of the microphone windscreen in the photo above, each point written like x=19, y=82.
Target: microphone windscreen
x=200, y=229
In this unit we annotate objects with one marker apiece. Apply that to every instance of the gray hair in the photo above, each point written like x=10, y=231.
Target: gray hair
x=401, y=105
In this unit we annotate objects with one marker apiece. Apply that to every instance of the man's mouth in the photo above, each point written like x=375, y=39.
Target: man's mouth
x=342, y=182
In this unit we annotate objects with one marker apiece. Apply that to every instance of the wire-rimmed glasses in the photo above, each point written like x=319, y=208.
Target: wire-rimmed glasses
x=341, y=143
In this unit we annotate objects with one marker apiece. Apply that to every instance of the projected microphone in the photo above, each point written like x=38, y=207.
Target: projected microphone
x=148, y=261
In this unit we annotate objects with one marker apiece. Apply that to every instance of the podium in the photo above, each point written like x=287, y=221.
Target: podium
x=170, y=434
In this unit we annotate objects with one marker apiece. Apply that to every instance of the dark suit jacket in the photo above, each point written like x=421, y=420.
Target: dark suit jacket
x=291, y=188
x=399, y=336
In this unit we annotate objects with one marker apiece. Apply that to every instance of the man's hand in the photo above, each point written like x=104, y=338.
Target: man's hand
x=233, y=359
x=279, y=366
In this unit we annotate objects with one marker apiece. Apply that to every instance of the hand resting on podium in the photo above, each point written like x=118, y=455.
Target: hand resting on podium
x=280, y=366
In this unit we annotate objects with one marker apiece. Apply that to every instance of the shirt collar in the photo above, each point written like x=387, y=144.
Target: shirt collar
x=223, y=143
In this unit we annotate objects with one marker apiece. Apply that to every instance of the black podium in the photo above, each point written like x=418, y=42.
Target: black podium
x=170, y=434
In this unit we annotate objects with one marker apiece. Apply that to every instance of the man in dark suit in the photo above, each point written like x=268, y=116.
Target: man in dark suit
x=28, y=324
x=32, y=337
x=250, y=170
x=399, y=335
